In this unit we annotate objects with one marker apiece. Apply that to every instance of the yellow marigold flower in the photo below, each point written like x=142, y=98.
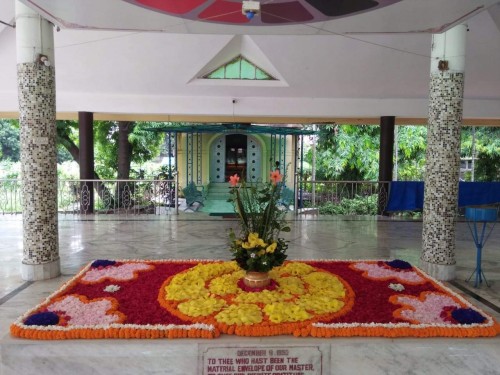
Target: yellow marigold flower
x=179, y=292
x=285, y=312
x=271, y=248
x=295, y=269
x=320, y=304
x=223, y=285
x=201, y=306
x=212, y=290
x=261, y=252
x=321, y=282
x=291, y=284
x=266, y=296
x=227, y=283
x=245, y=314
x=209, y=271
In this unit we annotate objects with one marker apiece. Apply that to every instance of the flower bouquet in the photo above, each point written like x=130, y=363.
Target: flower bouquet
x=258, y=247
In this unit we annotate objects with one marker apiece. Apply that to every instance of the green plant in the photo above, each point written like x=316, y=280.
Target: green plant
x=258, y=246
x=359, y=205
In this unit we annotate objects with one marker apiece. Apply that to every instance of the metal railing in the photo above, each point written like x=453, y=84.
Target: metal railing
x=100, y=197
x=344, y=197
x=158, y=197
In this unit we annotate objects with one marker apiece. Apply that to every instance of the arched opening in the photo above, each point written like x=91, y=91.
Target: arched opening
x=236, y=155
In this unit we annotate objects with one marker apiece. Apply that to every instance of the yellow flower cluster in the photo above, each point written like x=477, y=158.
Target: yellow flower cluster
x=322, y=282
x=192, y=284
x=291, y=284
x=201, y=306
x=265, y=297
x=212, y=290
x=295, y=269
x=320, y=304
x=254, y=241
x=240, y=314
x=226, y=284
x=280, y=312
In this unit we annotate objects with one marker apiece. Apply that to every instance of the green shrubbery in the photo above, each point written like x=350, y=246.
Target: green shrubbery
x=359, y=205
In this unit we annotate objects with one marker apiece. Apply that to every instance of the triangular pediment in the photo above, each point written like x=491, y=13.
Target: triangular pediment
x=239, y=62
x=239, y=68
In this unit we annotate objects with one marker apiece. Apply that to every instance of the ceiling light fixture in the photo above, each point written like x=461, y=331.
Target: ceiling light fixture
x=250, y=8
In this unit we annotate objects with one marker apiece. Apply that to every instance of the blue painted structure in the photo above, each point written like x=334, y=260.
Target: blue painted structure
x=475, y=217
x=409, y=195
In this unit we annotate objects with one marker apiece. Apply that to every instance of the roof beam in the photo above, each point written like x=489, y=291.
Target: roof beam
x=100, y=116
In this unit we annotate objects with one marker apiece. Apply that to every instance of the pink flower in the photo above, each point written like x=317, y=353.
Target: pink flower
x=122, y=272
x=234, y=179
x=375, y=271
x=425, y=309
x=276, y=177
x=81, y=311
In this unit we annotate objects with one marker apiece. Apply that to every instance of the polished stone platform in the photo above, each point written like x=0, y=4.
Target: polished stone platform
x=347, y=356
x=199, y=236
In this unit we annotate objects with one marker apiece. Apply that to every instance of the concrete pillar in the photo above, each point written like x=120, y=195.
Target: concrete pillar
x=385, y=163
x=443, y=153
x=37, y=119
x=86, y=138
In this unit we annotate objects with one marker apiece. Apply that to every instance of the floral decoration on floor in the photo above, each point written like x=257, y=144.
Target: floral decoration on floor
x=170, y=299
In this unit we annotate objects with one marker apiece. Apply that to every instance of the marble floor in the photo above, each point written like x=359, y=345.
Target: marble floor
x=199, y=236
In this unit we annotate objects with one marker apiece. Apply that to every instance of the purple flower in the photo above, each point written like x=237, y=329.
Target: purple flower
x=102, y=263
x=42, y=319
x=467, y=316
x=399, y=264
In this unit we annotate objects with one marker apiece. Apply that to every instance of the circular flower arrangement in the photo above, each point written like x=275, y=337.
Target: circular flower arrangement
x=300, y=294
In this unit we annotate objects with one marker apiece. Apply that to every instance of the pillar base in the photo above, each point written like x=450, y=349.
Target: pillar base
x=36, y=272
x=443, y=272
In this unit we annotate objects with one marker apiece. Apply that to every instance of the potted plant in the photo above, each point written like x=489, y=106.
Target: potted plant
x=257, y=248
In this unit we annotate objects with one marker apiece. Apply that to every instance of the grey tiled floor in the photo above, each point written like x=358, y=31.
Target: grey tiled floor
x=199, y=236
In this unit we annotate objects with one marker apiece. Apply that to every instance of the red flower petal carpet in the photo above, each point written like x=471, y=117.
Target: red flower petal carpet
x=189, y=298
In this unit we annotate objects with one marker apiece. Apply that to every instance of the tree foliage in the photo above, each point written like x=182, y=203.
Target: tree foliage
x=145, y=145
x=412, y=144
x=350, y=152
x=67, y=140
x=9, y=140
x=487, y=151
x=10, y=144
x=347, y=152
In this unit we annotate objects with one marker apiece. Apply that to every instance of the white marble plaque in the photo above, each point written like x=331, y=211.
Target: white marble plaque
x=262, y=360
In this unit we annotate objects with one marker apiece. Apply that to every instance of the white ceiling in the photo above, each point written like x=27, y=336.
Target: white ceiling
x=402, y=16
x=351, y=70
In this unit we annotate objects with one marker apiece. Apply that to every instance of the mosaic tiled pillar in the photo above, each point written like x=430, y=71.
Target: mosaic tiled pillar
x=37, y=110
x=443, y=153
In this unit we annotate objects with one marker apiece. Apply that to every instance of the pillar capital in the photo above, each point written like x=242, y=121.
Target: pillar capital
x=449, y=47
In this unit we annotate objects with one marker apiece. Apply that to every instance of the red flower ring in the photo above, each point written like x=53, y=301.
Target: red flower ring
x=276, y=12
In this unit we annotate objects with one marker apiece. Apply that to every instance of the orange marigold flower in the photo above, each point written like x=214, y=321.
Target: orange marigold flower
x=276, y=177
x=234, y=179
